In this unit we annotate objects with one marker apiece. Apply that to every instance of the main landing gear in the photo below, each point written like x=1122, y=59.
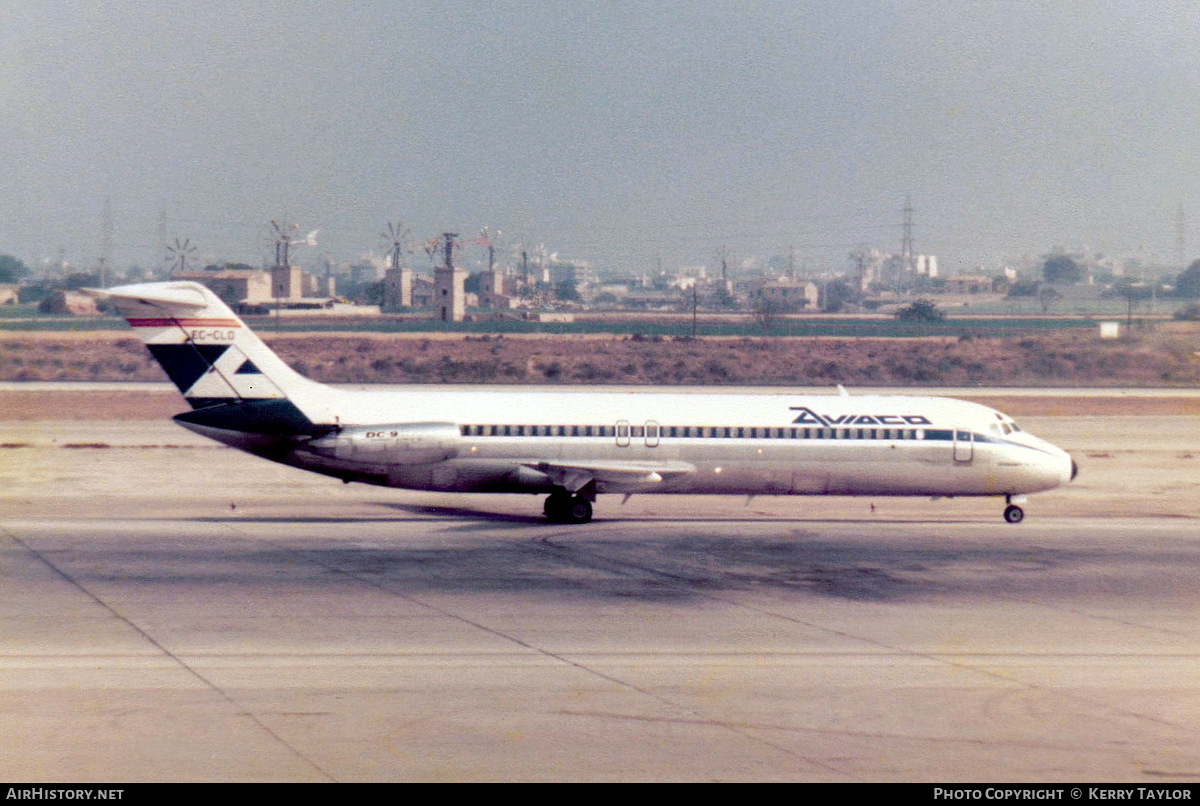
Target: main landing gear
x=1012, y=512
x=565, y=508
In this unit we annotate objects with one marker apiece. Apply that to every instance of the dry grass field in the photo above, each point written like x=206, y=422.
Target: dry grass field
x=1075, y=358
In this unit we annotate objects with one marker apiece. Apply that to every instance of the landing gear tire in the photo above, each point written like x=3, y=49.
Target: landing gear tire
x=556, y=507
x=1014, y=514
x=562, y=508
x=579, y=511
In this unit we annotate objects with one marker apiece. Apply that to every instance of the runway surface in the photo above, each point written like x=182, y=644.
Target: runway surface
x=171, y=610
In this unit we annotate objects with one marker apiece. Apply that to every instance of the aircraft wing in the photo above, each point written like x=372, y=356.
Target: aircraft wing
x=612, y=476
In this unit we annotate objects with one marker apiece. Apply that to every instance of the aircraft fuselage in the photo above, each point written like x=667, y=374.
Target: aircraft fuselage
x=775, y=444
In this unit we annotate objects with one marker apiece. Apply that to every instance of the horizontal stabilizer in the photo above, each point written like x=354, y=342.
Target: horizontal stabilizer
x=152, y=295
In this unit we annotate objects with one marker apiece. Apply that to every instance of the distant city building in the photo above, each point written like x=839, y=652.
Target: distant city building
x=967, y=284
x=559, y=270
x=9, y=294
x=789, y=293
x=72, y=302
x=889, y=269
x=550, y=316
x=651, y=299
x=363, y=273
x=252, y=286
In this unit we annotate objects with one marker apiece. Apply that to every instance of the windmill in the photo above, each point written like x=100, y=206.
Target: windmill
x=179, y=254
x=487, y=238
x=432, y=247
x=284, y=241
x=396, y=237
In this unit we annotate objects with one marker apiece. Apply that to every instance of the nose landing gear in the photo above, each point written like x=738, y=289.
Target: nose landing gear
x=1012, y=512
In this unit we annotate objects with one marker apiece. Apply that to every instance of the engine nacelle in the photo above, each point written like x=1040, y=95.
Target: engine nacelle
x=404, y=444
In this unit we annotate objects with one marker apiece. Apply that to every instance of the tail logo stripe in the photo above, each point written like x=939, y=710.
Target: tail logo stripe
x=186, y=363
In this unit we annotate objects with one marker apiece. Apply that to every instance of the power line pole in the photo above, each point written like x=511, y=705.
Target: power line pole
x=695, y=295
x=906, y=244
x=162, y=242
x=106, y=242
x=1180, y=245
x=723, y=256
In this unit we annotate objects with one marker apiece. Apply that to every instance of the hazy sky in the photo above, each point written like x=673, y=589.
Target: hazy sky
x=615, y=132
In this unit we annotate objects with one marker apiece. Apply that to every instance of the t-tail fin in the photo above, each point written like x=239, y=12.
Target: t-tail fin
x=206, y=350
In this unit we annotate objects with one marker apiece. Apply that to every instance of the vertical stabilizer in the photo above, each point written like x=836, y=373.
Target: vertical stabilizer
x=205, y=349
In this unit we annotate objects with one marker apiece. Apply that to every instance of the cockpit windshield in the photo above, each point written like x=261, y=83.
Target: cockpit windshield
x=1006, y=426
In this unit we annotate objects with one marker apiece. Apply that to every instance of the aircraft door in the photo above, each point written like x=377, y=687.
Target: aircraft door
x=651, y=434
x=622, y=433
x=964, y=446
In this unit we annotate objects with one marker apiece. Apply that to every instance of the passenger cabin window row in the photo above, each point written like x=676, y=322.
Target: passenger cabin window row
x=653, y=431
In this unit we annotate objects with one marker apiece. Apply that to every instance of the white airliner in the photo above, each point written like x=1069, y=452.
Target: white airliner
x=573, y=446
